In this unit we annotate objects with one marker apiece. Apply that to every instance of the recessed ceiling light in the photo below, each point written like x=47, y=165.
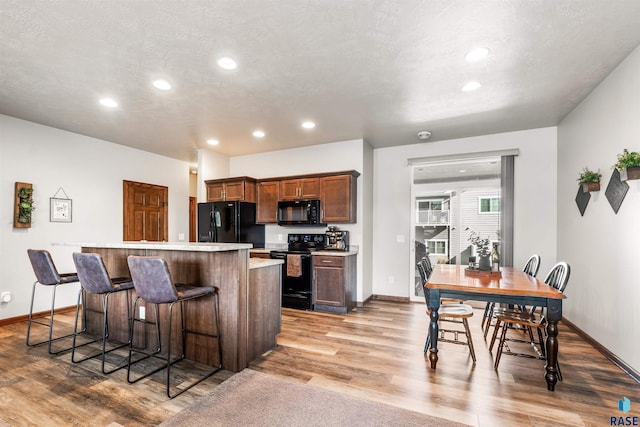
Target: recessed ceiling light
x=109, y=102
x=462, y=170
x=471, y=86
x=194, y=171
x=162, y=84
x=258, y=134
x=477, y=54
x=213, y=142
x=227, y=63
x=308, y=125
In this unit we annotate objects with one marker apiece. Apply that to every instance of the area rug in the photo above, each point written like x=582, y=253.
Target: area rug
x=252, y=398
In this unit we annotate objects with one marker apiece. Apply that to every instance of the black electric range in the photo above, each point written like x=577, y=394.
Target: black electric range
x=297, y=277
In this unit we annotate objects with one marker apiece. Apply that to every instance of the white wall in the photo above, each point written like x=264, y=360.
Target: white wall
x=336, y=156
x=535, y=201
x=211, y=165
x=91, y=172
x=602, y=247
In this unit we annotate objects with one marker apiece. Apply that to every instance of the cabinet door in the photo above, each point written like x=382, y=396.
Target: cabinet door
x=215, y=192
x=267, y=205
x=309, y=188
x=289, y=189
x=338, y=196
x=234, y=190
x=328, y=286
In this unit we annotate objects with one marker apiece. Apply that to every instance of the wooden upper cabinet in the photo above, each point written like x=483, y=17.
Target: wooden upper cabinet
x=301, y=188
x=338, y=195
x=267, y=201
x=215, y=192
x=242, y=188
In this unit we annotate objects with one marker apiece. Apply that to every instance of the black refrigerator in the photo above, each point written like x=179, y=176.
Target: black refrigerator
x=229, y=222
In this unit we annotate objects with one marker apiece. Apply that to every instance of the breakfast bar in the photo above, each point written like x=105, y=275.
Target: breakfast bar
x=249, y=296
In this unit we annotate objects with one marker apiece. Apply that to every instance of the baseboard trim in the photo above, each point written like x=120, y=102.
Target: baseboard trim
x=390, y=298
x=361, y=304
x=635, y=375
x=25, y=317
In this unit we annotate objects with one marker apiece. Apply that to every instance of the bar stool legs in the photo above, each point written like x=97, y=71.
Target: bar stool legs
x=167, y=359
x=105, y=331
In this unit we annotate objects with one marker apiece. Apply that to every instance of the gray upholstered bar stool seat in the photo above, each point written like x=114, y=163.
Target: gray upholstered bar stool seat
x=95, y=280
x=153, y=284
x=46, y=275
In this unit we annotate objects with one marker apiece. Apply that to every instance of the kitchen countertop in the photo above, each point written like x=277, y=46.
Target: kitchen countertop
x=334, y=253
x=169, y=246
x=263, y=262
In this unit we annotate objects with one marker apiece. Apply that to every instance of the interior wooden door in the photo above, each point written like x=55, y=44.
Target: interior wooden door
x=193, y=220
x=145, y=209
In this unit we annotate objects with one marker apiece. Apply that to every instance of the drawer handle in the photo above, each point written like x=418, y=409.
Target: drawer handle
x=324, y=260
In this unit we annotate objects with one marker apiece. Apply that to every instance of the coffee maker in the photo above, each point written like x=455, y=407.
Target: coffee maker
x=337, y=240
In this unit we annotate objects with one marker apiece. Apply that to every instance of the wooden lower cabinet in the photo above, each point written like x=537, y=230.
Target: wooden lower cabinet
x=259, y=255
x=334, y=283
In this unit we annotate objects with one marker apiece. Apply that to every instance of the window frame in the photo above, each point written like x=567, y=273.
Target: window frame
x=435, y=241
x=491, y=199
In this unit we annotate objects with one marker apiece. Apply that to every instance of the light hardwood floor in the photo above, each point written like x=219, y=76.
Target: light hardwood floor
x=374, y=353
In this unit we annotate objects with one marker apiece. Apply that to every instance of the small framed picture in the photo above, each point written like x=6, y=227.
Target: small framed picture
x=60, y=210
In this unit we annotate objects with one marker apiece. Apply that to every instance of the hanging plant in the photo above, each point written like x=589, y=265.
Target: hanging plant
x=25, y=205
x=590, y=180
x=629, y=165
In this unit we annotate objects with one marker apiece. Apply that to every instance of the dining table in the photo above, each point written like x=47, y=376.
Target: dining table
x=509, y=286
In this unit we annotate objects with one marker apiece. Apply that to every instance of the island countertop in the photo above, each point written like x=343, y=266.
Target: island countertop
x=167, y=246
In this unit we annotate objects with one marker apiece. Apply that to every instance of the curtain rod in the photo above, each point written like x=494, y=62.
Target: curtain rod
x=463, y=156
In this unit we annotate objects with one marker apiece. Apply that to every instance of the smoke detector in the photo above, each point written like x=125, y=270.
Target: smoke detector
x=424, y=135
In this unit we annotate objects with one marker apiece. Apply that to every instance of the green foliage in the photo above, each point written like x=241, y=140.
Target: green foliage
x=25, y=206
x=628, y=159
x=587, y=175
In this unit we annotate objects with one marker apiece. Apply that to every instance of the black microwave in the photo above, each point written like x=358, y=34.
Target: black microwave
x=299, y=212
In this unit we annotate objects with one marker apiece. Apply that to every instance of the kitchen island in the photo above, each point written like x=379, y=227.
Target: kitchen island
x=249, y=297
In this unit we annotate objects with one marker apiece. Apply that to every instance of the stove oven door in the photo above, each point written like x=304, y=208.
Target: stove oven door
x=296, y=279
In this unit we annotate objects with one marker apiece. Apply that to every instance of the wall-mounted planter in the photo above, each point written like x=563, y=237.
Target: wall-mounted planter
x=23, y=205
x=629, y=174
x=588, y=187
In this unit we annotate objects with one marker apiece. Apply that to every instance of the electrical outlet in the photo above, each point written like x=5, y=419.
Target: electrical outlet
x=180, y=236
x=280, y=237
x=141, y=310
x=392, y=280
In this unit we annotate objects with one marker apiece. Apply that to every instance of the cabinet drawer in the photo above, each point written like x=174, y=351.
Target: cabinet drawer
x=328, y=261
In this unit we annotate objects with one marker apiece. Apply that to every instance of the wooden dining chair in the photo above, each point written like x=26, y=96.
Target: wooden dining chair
x=452, y=312
x=531, y=268
x=558, y=278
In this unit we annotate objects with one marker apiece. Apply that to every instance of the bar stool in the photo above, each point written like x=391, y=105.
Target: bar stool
x=153, y=284
x=95, y=280
x=46, y=275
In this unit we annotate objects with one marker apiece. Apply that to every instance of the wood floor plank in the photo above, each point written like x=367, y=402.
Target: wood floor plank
x=374, y=353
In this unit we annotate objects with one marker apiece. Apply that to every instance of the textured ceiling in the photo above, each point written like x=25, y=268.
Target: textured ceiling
x=379, y=70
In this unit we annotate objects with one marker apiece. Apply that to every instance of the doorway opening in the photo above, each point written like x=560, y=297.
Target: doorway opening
x=450, y=200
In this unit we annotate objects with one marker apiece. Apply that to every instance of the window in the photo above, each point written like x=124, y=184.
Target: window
x=489, y=204
x=437, y=247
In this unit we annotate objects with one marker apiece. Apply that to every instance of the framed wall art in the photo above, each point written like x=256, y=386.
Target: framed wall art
x=60, y=209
